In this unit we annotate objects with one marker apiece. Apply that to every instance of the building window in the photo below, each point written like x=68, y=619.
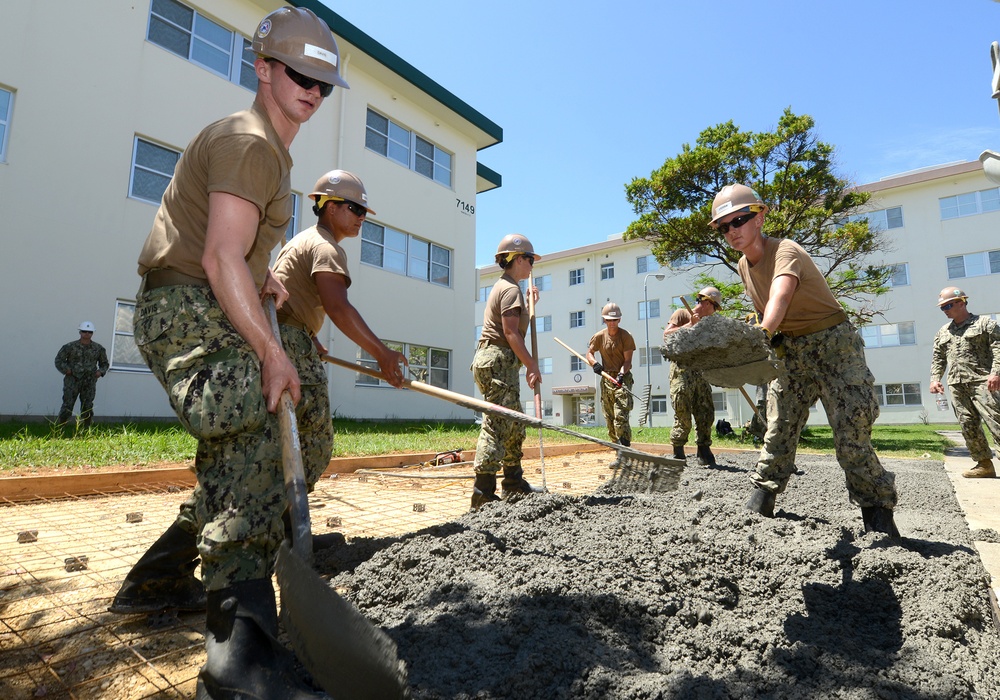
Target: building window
x=691, y=260
x=898, y=394
x=403, y=254
x=544, y=283
x=125, y=355
x=658, y=404
x=429, y=365
x=889, y=335
x=654, y=355
x=152, y=168
x=678, y=302
x=653, y=307
x=529, y=409
x=484, y=293
x=646, y=263
x=543, y=324
x=545, y=365
x=577, y=319
x=398, y=143
x=576, y=277
x=479, y=332
x=719, y=401
x=974, y=264
x=6, y=109
x=970, y=203
x=192, y=36
x=576, y=364
x=882, y=219
x=293, y=223
x=899, y=275
x=607, y=271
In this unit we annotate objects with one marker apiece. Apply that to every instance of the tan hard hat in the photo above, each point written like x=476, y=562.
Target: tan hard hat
x=734, y=198
x=340, y=185
x=87, y=326
x=951, y=294
x=513, y=244
x=302, y=41
x=611, y=311
x=713, y=295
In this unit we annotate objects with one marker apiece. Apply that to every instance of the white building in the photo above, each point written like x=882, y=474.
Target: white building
x=942, y=223
x=88, y=142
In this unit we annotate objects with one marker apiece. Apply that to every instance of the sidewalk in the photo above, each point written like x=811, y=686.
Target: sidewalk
x=980, y=500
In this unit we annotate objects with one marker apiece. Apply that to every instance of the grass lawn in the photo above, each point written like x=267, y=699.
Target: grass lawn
x=39, y=446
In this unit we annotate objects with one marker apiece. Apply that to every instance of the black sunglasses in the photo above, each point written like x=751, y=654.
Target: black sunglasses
x=947, y=307
x=735, y=223
x=530, y=257
x=307, y=83
x=356, y=209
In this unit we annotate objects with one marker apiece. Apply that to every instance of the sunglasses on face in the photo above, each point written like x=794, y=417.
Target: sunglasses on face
x=701, y=298
x=529, y=257
x=738, y=222
x=307, y=83
x=947, y=307
x=356, y=209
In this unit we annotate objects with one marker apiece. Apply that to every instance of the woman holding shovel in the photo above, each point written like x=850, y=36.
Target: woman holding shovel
x=500, y=352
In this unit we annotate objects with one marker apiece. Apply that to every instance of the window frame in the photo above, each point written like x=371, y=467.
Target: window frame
x=148, y=169
x=653, y=305
x=607, y=271
x=913, y=397
x=974, y=203
x=654, y=354
x=409, y=257
x=123, y=335
x=426, y=372
x=988, y=261
x=642, y=264
x=879, y=332
x=578, y=319
x=6, y=117
x=438, y=161
x=576, y=277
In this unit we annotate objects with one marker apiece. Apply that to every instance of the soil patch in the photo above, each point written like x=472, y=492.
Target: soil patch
x=688, y=595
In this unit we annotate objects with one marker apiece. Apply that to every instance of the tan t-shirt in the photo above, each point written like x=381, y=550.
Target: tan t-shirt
x=240, y=155
x=505, y=296
x=612, y=349
x=812, y=301
x=311, y=251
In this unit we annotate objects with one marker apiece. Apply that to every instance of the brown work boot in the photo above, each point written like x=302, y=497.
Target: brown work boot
x=983, y=470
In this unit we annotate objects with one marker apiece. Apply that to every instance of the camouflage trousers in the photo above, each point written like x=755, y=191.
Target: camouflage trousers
x=496, y=371
x=691, y=395
x=212, y=378
x=75, y=387
x=830, y=366
x=617, y=404
x=974, y=405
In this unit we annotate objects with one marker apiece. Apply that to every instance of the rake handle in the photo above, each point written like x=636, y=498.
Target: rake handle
x=591, y=364
x=473, y=403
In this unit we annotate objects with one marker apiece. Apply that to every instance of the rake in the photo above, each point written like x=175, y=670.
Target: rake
x=634, y=471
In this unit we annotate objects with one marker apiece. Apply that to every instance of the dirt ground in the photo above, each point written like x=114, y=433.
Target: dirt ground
x=688, y=595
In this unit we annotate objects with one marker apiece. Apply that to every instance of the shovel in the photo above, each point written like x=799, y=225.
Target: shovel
x=634, y=470
x=345, y=653
x=607, y=376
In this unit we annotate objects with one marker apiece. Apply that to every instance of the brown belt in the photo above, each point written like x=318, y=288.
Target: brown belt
x=154, y=279
x=495, y=343
x=822, y=325
x=289, y=321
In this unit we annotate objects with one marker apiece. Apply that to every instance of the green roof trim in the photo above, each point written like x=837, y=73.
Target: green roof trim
x=491, y=176
x=397, y=65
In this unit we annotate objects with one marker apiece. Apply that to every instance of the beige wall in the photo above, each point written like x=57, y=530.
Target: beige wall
x=73, y=234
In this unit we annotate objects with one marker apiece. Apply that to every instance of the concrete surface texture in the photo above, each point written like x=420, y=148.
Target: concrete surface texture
x=733, y=353
x=687, y=595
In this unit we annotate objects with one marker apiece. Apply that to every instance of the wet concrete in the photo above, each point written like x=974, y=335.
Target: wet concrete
x=731, y=353
x=688, y=595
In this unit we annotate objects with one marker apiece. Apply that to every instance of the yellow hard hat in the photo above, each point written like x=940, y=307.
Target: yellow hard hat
x=340, y=185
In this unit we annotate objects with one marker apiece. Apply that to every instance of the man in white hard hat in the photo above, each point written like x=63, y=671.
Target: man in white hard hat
x=81, y=362
x=616, y=346
x=690, y=393
x=824, y=359
x=969, y=347
x=200, y=327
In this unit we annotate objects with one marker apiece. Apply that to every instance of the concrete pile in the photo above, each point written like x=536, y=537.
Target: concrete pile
x=730, y=353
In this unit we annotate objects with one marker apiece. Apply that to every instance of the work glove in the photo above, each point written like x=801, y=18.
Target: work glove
x=620, y=378
x=598, y=368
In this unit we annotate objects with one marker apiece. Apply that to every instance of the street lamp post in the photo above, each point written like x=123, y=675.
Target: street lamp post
x=645, y=304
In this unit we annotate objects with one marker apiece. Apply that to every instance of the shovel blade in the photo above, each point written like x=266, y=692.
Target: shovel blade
x=346, y=654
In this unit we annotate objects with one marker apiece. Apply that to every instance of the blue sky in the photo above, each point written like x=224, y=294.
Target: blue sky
x=593, y=94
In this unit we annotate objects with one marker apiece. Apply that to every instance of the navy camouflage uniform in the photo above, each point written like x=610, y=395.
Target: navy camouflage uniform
x=971, y=352
x=691, y=395
x=496, y=370
x=83, y=362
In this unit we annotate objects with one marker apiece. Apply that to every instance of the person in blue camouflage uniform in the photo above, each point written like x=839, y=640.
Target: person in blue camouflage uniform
x=823, y=359
x=200, y=327
x=690, y=393
x=616, y=347
x=969, y=347
x=500, y=352
x=81, y=362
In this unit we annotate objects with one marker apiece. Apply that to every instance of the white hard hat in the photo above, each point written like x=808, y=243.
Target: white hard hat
x=87, y=326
